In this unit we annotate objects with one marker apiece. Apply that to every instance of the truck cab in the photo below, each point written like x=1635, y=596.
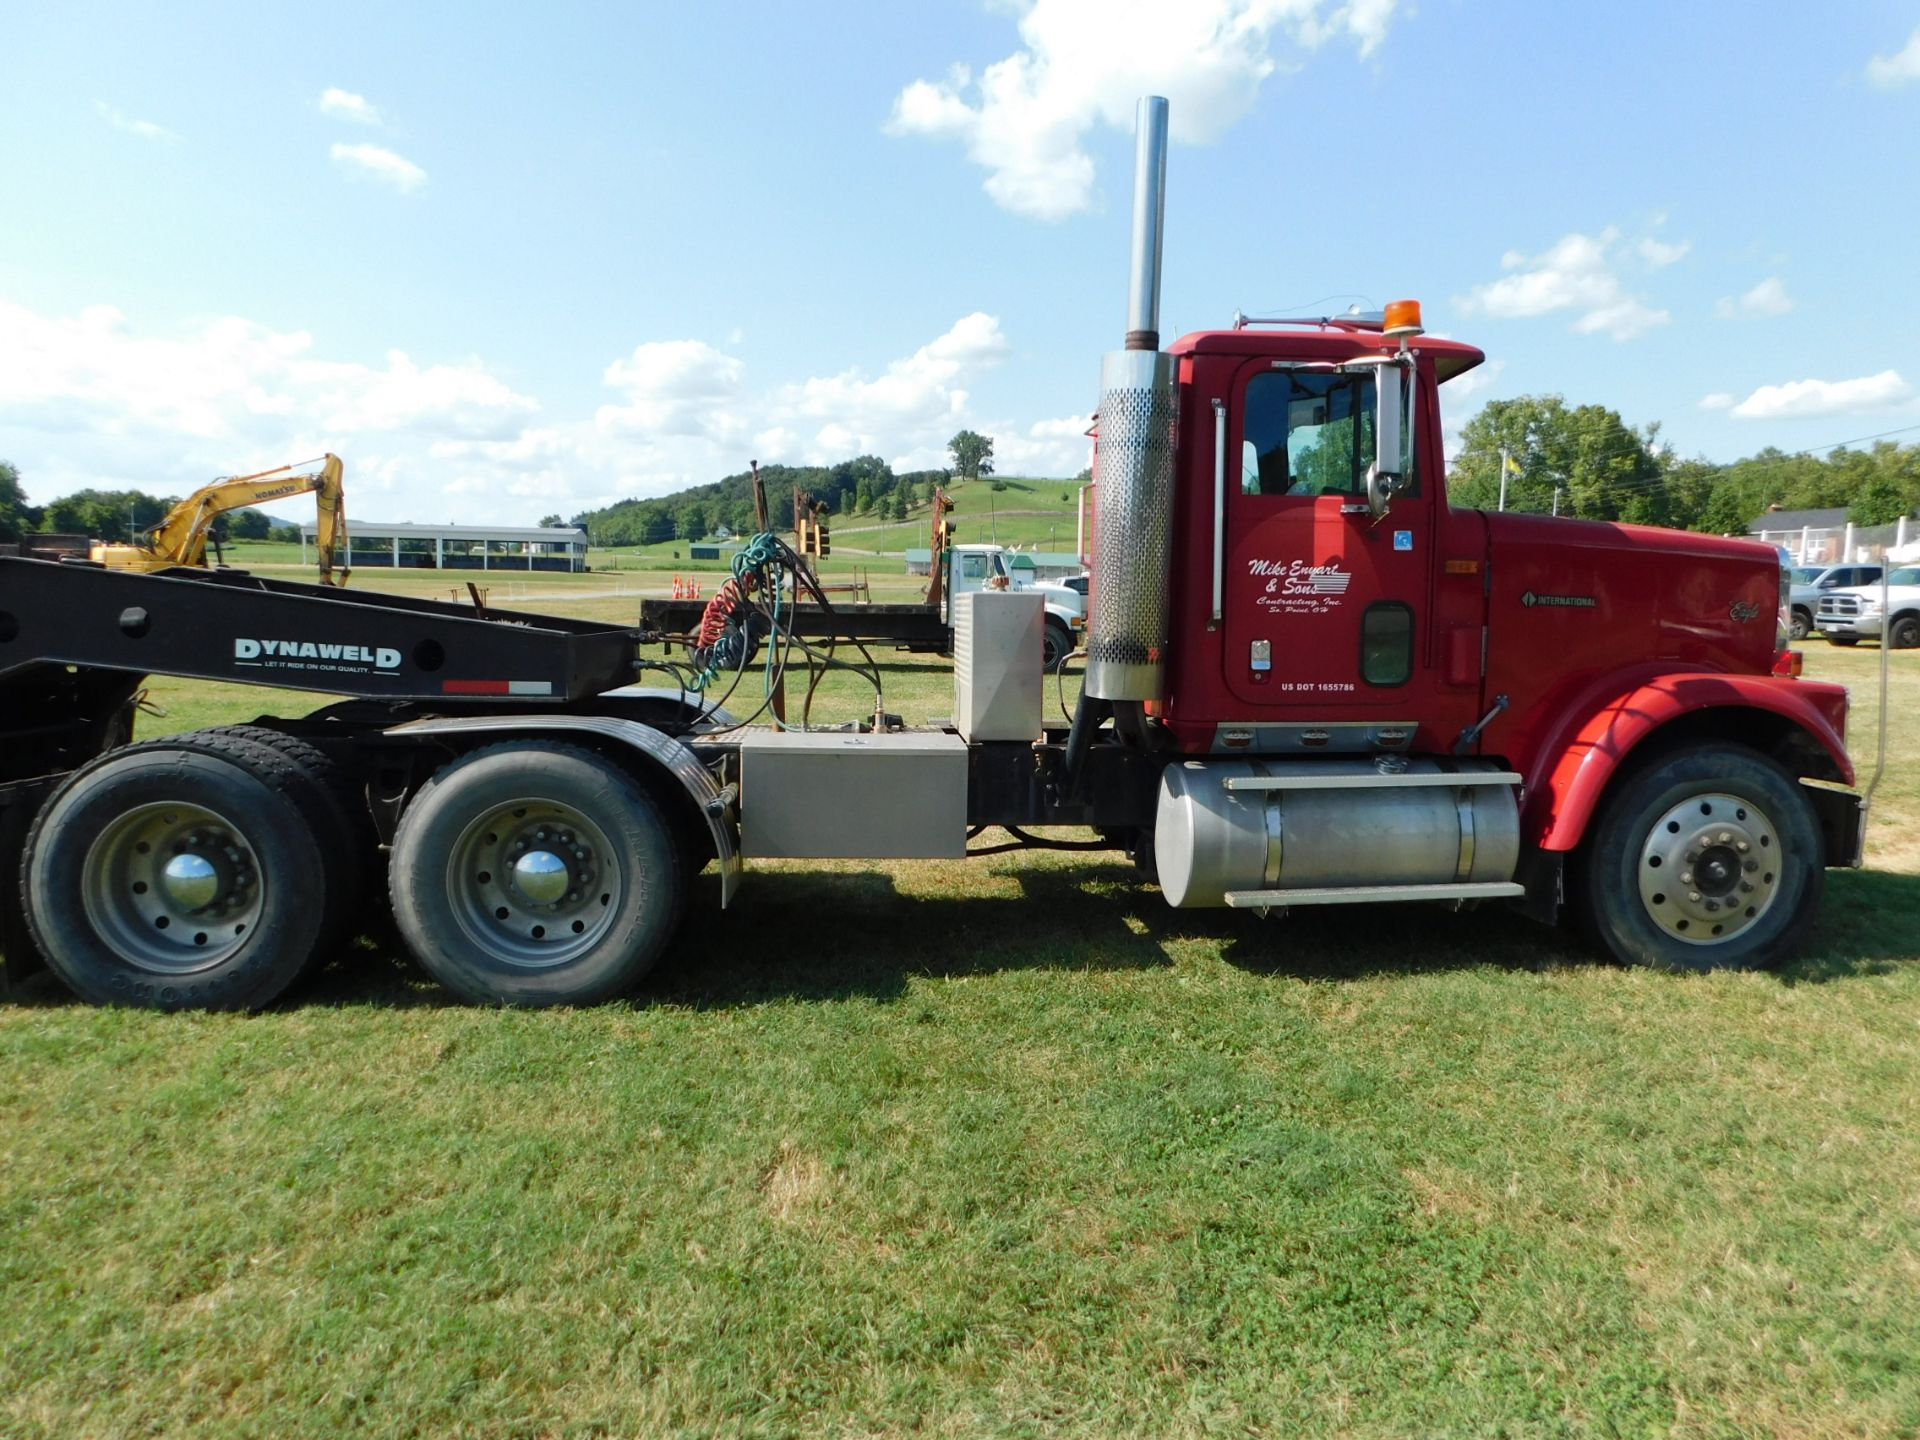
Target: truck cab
x=1600, y=702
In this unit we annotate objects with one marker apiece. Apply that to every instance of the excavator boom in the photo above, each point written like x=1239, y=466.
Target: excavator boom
x=181, y=538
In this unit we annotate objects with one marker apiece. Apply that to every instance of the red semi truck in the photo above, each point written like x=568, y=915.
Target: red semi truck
x=1310, y=680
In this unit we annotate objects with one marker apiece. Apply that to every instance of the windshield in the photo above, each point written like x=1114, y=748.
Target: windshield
x=1908, y=576
x=1805, y=574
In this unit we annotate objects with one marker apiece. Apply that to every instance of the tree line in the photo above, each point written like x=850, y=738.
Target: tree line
x=115, y=515
x=865, y=486
x=1586, y=461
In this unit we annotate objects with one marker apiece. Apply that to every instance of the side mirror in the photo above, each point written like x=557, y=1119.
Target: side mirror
x=1393, y=436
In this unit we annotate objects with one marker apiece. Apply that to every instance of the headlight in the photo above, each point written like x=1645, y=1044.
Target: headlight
x=1870, y=605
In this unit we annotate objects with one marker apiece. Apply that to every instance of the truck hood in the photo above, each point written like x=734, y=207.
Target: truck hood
x=1896, y=594
x=1617, y=595
x=1507, y=527
x=1065, y=596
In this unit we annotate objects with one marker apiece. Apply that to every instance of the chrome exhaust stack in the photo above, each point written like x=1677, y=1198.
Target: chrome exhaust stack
x=1133, y=458
x=1149, y=223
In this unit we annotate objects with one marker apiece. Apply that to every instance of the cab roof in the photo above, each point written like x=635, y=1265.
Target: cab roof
x=1333, y=342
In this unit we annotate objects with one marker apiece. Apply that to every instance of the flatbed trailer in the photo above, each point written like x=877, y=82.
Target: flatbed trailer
x=911, y=626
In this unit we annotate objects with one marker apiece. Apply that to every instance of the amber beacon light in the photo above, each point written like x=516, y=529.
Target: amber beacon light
x=1402, y=317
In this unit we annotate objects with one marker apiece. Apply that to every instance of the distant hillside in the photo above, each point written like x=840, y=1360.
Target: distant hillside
x=860, y=494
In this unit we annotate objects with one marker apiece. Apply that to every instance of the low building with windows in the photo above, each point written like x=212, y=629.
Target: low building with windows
x=410, y=546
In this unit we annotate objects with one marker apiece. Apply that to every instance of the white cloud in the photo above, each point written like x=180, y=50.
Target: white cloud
x=1900, y=68
x=1719, y=400
x=1800, y=398
x=1659, y=254
x=88, y=399
x=1769, y=297
x=906, y=406
x=1576, y=273
x=94, y=399
x=379, y=163
x=1463, y=398
x=145, y=129
x=1046, y=447
x=1476, y=382
x=348, y=106
x=1083, y=63
x=674, y=387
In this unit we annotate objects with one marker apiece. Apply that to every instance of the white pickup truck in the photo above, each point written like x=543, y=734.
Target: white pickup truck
x=1846, y=617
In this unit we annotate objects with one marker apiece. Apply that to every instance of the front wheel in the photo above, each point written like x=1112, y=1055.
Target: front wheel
x=1709, y=858
x=1802, y=625
x=535, y=874
x=1057, y=645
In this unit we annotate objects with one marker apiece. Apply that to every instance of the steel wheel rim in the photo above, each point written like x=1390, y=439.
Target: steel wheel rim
x=1710, y=868
x=504, y=879
x=173, y=889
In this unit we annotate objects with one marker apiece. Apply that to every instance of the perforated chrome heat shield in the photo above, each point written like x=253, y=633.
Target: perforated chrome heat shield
x=1133, y=533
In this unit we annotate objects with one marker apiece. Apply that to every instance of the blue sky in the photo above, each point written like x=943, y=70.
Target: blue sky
x=509, y=261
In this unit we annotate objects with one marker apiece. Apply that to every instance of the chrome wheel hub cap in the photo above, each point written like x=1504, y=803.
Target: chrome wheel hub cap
x=541, y=876
x=1710, y=868
x=533, y=883
x=172, y=888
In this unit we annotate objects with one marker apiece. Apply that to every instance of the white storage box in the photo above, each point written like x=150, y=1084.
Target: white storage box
x=998, y=659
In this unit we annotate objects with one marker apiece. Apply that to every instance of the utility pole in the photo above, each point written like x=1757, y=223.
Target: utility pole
x=1504, y=462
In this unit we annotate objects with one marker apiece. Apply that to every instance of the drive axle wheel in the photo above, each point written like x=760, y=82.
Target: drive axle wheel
x=1708, y=859
x=535, y=874
x=172, y=876
x=1905, y=633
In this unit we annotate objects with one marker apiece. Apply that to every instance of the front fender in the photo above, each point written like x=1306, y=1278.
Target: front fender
x=664, y=752
x=1571, y=772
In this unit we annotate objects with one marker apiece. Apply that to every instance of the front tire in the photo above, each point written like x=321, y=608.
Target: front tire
x=1707, y=858
x=535, y=874
x=1056, y=646
x=1802, y=625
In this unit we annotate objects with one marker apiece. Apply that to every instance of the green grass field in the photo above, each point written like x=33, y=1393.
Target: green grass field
x=1004, y=1147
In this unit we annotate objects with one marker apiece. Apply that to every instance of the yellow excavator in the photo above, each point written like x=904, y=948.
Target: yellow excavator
x=181, y=538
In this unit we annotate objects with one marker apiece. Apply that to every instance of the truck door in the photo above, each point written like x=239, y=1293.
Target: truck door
x=1323, y=605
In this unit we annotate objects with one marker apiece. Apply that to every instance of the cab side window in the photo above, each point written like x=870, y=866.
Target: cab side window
x=1308, y=432
x=973, y=567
